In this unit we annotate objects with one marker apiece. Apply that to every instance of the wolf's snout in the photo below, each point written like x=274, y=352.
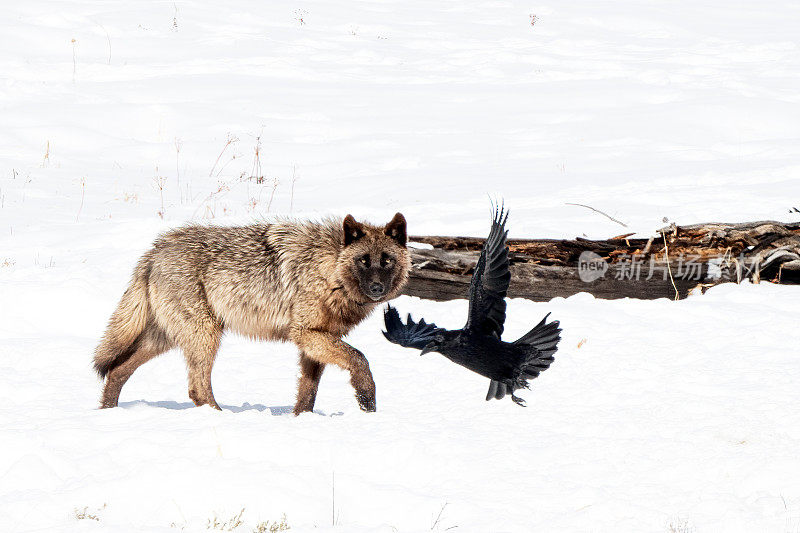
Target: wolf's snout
x=376, y=289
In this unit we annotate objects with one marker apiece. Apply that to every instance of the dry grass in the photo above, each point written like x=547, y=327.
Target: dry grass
x=230, y=139
x=227, y=525
x=83, y=194
x=272, y=527
x=130, y=197
x=680, y=525
x=255, y=173
x=160, y=182
x=46, y=158
x=85, y=514
x=178, y=145
x=234, y=522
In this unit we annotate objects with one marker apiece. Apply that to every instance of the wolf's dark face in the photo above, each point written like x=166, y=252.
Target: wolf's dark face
x=375, y=260
x=375, y=274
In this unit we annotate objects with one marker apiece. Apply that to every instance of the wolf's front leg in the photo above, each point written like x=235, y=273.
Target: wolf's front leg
x=326, y=348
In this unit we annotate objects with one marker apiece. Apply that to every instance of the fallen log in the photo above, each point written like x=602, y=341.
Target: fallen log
x=671, y=264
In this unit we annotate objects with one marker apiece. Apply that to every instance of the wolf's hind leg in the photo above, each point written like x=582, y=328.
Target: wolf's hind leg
x=191, y=323
x=200, y=353
x=151, y=342
x=200, y=360
x=310, y=374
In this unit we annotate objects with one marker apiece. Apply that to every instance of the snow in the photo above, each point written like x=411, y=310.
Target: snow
x=656, y=416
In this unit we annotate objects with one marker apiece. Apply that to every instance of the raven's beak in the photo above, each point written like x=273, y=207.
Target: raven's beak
x=430, y=347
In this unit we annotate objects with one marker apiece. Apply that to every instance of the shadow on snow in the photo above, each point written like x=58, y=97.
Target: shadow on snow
x=278, y=410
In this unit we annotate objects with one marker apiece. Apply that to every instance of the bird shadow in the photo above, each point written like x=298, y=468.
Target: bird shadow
x=277, y=410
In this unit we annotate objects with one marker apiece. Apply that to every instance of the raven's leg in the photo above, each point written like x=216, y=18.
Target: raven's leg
x=517, y=400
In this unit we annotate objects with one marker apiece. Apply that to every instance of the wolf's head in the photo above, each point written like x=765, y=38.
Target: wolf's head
x=373, y=263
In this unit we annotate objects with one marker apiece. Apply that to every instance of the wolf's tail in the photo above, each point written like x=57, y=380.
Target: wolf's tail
x=126, y=323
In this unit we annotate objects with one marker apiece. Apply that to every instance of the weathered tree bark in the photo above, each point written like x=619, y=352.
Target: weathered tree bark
x=671, y=264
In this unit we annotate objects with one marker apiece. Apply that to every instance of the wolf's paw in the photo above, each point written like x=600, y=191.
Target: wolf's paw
x=366, y=402
x=196, y=398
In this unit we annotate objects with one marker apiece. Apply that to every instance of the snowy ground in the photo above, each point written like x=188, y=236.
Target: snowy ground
x=122, y=119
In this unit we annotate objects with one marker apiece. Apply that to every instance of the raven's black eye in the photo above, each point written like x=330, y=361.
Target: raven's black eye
x=387, y=261
x=364, y=260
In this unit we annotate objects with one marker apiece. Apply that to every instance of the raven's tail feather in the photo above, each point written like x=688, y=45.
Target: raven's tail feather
x=496, y=391
x=542, y=341
x=543, y=337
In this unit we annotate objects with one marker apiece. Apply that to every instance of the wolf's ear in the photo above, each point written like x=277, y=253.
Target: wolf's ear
x=396, y=229
x=352, y=230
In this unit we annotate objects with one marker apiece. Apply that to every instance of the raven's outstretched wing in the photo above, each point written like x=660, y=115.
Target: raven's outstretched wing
x=411, y=334
x=487, y=291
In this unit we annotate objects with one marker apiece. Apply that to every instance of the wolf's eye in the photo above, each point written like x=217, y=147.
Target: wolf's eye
x=387, y=260
x=364, y=260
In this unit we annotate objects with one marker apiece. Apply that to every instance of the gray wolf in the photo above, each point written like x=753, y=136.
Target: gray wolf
x=306, y=282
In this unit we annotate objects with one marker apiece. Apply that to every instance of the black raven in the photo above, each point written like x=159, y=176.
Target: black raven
x=477, y=346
